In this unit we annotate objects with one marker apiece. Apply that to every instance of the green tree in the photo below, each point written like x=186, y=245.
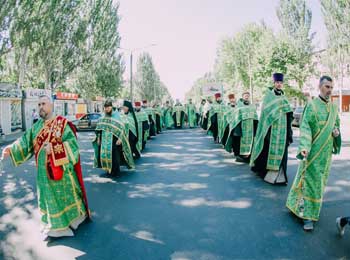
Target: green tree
x=147, y=81
x=61, y=36
x=55, y=43
x=241, y=60
x=47, y=38
x=196, y=91
x=296, y=42
x=102, y=58
x=337, y=20
x=102, y=79
x=7, y=13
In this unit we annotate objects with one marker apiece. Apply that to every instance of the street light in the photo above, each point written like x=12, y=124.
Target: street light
x=131, y=61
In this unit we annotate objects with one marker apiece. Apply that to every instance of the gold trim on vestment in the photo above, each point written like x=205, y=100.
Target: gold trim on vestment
x=56, y=215
x=302, y=217
x=70, y=152
x=70, y=223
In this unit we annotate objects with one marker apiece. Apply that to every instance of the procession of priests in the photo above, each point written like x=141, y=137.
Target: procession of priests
x=123, y=131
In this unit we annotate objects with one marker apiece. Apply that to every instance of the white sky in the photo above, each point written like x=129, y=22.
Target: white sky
x=187, y=33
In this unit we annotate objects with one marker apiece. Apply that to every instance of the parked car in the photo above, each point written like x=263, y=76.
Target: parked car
x=297, y=114
x=87, y=122
x=70, y=117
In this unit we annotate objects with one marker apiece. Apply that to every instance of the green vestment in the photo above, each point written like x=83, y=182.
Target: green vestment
x=152, y=121
x=318, y=121
x=60, y=201
x=273, y=114
x=177, y=111
x=129, y=124
x=158, y=111
x=191, y=115
x=218, y=110
x=226, y=119
x=141, y=117
x=109, y=127
x=246, y=115
x=168, y=117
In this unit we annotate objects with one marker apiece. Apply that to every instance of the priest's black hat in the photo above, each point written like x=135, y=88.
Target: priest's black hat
x=278, y=77
x=108, y=103
x=127, y=103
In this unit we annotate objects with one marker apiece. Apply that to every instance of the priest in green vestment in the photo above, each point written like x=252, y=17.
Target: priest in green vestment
x=111, y=145
x=215, y=118
x=151, y=118
x=168, y=115
x=143, y=126
x=159, y=117
x=191, y=114
x=205, y=113
x=200, y=109
x=131, y=128
x=179, y=115
x=61, y=194
x=227, y=118
x=243, y=125
x=319, y=139
x=274, y=134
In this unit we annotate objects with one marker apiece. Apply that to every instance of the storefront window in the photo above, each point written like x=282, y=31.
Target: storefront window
x=71, y=109
x=59, y=108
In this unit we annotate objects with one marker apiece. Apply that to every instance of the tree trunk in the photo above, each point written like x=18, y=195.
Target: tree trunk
x=22, y=66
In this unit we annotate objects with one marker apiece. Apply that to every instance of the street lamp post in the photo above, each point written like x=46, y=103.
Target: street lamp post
x=131, y=63
x=341, y=79
x=131, y=86
x=250, y=81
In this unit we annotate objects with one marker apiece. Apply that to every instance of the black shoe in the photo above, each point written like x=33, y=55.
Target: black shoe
x=109, y=175
x=239, y=159
x=242, y=159
x=105, y=175
x=115, y=175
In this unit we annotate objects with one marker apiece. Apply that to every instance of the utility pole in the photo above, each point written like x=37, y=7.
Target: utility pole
x=131, y=86
x=341, y=80
x=131, y=72
x=250, y=80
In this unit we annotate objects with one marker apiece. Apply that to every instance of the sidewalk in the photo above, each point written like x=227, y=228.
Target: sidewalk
x=345, y=126
x=7, y=139
x=345, y=117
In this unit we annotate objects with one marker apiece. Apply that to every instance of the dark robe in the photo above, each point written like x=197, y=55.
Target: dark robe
x=133, y=139
x=182, y=118
x=133, y=143
x=205, y=121
x=214, y=126
x=261, y=161
x=236, y=135
x=226, y=131
x=152, y=130
x=158, y=124
x=117, y=159
x=145, y=127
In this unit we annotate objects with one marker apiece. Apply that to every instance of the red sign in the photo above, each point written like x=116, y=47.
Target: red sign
x=64, y=95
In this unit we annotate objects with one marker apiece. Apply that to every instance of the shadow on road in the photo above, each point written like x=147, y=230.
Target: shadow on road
x=187, y=199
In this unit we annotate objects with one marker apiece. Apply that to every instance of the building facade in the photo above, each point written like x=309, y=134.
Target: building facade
x=10, y=108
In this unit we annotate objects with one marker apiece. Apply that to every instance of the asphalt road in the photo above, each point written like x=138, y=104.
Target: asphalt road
x=187, y=199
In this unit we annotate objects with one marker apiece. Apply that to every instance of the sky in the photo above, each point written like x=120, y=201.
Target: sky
x=186, y=33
